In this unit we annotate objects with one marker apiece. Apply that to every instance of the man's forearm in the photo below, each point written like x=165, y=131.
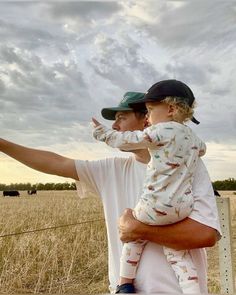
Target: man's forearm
x=42, y=161
x=187, y=234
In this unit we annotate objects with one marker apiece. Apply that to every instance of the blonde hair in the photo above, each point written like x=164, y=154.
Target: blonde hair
x=183, y=112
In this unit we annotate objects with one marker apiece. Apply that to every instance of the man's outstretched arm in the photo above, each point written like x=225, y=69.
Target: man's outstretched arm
x=42, y=161
x=184, y=235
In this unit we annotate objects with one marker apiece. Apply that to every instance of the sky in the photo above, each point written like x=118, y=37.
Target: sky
x=62, y=62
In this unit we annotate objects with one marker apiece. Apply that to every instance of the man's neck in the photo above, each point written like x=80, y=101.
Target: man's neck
x=142, y=156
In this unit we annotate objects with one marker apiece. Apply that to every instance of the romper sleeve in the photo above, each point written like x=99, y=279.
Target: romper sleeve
x=129, y=140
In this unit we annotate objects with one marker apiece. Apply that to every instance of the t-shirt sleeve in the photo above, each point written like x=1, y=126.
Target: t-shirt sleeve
x=90, y=175
x=205, y=208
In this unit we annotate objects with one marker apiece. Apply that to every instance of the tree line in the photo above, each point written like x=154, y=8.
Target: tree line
x=225, y=185
x=38, y=186
x=221, y=185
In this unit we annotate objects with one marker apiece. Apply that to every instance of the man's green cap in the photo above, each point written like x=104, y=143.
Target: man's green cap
x=129, y=97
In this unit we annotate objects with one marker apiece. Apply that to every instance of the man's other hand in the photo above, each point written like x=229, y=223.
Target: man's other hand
x=128, y=227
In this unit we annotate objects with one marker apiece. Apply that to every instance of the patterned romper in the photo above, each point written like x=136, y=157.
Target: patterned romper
x=167, y=191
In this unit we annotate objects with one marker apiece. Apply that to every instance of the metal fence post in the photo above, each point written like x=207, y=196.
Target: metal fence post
x=225, y=247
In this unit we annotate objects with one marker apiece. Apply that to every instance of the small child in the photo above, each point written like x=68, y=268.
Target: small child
x=167, y=192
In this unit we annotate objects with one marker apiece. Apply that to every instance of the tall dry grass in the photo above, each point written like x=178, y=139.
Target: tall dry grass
x=64, y=260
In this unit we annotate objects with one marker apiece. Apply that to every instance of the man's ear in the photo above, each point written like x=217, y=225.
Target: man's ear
x=146, y=123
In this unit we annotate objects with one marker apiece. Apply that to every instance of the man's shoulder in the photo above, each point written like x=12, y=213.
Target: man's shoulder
x=122, y=165
x=120, y=161
x=200, y=167
x=108, y=161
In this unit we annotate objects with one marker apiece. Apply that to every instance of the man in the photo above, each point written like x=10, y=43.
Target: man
x=118, y=181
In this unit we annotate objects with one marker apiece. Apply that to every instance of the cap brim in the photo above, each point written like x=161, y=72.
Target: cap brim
x=110, y=113
x=194, y=120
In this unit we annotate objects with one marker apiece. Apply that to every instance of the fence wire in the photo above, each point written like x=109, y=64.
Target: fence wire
x=50, y=228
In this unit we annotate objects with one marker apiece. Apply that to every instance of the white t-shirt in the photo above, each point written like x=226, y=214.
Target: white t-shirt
x=119, y=181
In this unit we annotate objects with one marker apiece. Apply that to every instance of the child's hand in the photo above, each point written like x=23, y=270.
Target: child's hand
x=95, y=122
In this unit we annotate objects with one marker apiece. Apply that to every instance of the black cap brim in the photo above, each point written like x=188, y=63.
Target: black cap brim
x=143, y=101
x=194, y=120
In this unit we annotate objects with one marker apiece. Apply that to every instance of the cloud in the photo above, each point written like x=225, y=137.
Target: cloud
x=87, y=11
x=191, y=72
x=120, y=61
x=186, y=24
x=220, y=160
x=38, y=94
x=2, y=86
x=23, y=34
x=80, y=16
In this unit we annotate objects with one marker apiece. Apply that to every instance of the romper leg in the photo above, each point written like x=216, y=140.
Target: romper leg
x=185, y=271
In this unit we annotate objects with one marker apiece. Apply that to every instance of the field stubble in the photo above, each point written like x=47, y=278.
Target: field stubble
x=65, y=260
x=68, y=259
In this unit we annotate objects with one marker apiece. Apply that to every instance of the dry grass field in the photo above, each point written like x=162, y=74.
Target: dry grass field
x=65, y=260
x=69, y=259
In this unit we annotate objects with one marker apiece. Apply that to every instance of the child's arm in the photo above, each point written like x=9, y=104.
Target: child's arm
x=128, y=140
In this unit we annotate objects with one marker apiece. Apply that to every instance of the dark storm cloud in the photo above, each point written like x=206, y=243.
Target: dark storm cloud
x=38, y=95
x=11, y=31
x=27, y=27
x=24, y=34
x=11, y=56
x=88, y=11
x=120, y=62
x=2, y=86
x=192, y=23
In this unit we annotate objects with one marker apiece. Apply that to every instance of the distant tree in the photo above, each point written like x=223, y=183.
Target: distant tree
x=38, y=186
x=72, y=186
x=16, y=186
x=225, y=185
x=59, y=186
x=221, y=185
